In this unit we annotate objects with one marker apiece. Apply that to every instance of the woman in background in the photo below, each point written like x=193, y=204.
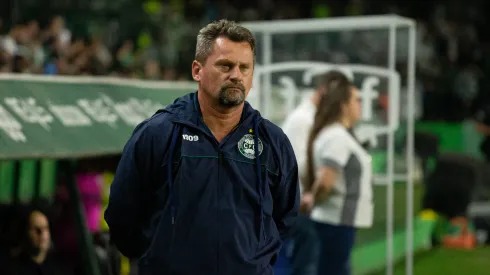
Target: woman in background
x=339, y=177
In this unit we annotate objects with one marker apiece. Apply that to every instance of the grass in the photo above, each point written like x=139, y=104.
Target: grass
x=378, y=231
x=437, y=261
x=449, y=262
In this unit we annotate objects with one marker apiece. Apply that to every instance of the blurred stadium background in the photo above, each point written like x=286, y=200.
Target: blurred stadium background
x=77, y=76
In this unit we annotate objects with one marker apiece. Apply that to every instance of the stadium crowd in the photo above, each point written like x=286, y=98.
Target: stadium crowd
x=452, y=52
x=26, y=48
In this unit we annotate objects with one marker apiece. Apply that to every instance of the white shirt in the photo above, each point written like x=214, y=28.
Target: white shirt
x=9, y=45
x=297, y=128
x=350, y=201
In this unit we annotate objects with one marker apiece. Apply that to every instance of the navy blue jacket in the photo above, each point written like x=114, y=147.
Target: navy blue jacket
x=187, y=205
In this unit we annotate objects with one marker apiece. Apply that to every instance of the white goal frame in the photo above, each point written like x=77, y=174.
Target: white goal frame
x=390, y=22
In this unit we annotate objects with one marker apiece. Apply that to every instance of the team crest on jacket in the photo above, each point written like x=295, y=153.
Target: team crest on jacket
x=246, y=146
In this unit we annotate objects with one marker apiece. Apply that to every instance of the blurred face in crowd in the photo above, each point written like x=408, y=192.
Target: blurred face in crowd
x=127, y=46
x=57, y=24
x=38, y=232
x=227, y=73
x=152, y=70
x=33, y=29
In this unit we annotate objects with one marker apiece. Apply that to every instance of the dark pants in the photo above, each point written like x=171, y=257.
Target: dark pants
x=305, y=246
x=336, y=243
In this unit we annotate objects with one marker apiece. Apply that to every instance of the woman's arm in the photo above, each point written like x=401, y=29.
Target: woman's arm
x=333, y=152
x=324, y=183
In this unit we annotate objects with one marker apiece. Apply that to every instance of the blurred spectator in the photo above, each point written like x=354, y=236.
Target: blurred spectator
x=58, y=32
x=5, y=63
x=33, y=253
x=125, y=55
x=9, y=41
x=152, y=70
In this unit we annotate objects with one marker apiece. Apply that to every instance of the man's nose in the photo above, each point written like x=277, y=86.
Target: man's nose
x=236, y=73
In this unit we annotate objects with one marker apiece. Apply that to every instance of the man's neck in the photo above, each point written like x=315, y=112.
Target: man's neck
x=221, y=121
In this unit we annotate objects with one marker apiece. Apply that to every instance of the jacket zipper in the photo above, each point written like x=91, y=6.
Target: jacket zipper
x=220, y=163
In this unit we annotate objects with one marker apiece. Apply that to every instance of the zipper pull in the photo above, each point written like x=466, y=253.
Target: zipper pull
x=172, y=210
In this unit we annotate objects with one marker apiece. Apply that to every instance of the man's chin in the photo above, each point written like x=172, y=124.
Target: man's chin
x=232, y=99
x=231, y=103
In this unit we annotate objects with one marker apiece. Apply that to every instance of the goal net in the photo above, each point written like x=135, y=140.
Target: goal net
x=378, y=54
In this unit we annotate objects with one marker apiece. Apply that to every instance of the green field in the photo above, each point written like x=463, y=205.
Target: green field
x=434, y=262
x=378, y=231
x=449, y=262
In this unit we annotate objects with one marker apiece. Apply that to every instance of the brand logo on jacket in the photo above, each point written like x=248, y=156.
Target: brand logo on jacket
x=246, y=146
x=190, y=138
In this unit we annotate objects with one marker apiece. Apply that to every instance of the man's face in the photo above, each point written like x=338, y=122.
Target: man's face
x=227, y=74
x=38, y=232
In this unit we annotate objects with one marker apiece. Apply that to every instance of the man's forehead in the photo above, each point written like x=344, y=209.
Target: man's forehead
x=37, y=218
x=225, y=47
x=224, y=42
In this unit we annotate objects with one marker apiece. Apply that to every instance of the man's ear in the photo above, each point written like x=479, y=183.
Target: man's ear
x=196, y=70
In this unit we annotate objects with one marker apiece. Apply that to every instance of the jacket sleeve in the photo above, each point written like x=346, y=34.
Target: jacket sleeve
x=287, y=194
x=127, y=212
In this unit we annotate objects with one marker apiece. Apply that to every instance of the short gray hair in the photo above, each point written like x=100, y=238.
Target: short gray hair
x=222, y=28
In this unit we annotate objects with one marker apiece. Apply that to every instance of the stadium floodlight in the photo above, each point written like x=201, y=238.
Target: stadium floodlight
x=368, y=49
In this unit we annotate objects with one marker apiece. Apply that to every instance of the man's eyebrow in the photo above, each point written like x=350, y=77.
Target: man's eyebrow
x=224, y=61
x=228, y=61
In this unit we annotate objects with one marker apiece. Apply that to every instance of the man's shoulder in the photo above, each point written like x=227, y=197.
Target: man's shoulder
x=163, y=118
x=300, y=116
x=159, y=121
x=157, y=127
x=305, y=108
x=295, y=116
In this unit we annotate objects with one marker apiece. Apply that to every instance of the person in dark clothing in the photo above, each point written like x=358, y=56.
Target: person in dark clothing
x=33, y=254
x=207, y=186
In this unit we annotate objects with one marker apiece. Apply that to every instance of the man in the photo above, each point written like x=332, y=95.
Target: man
x=297, y=127
x=33, y=254
x=207, y=186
